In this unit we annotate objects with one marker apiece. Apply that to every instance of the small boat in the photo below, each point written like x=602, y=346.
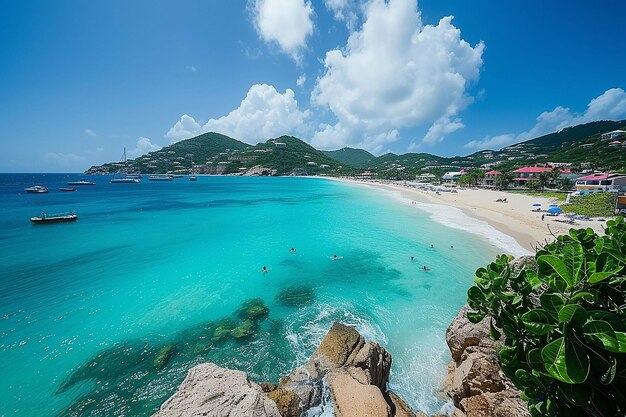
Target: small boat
x=125, y=179
x=67, y=189
x=37, y=189
x=160, y=178
x=193, y=178
x=136, y=176
x=81, y=182
x=54, y=218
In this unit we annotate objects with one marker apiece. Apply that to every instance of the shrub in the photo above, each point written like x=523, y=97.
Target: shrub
x=564, y=324
x=593, y=205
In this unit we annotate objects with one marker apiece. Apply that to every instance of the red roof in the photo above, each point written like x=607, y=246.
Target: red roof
x=593, y=177
x=493, y=173
x=536, y=170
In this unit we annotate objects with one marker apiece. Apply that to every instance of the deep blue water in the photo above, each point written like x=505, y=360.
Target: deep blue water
x=105, y=316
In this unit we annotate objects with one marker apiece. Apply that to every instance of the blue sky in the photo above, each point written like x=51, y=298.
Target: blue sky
x=81, y=80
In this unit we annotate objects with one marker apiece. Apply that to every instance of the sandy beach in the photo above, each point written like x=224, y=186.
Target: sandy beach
x=515, y=218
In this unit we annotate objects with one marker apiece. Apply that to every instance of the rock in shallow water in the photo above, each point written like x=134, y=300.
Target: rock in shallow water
x=209, y=390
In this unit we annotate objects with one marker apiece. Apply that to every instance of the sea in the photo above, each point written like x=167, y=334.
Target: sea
x=105, y=316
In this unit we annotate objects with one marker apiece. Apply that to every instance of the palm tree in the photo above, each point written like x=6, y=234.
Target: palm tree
x=544, y=179
x=504, y=179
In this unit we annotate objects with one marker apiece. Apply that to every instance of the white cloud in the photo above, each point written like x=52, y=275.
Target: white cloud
x=301, y=80
x=264, y=113
x=90, y=132
x=191, y=68
x=144, y=145
x=285, y=22
x=396, y=73
x=344, y=10
x=610, y=105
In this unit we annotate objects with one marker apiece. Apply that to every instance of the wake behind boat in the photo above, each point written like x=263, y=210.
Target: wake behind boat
x=54, y=218
x=37, y=189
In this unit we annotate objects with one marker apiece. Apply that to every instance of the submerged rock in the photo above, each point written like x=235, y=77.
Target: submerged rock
x=296, y=296
x=253, y=309
x=223, y=329
x=244, y=329
x=163, y=356
x=209, y=390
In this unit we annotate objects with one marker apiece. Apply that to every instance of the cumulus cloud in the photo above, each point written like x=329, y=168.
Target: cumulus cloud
x=286, y=23
x=90, y=132
x=610, y=105
x=396, y=72
x=264, y=113
x=144, y=145
x=344, y=10
x=301, y=80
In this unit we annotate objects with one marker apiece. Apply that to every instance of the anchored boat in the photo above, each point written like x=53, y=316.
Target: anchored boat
x=54, y=218
x=81, y=182
x=37, y=189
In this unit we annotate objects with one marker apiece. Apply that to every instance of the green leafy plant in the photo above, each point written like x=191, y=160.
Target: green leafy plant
x=563, y=322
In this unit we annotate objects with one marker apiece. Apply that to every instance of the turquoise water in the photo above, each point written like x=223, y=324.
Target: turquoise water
x=105, y=316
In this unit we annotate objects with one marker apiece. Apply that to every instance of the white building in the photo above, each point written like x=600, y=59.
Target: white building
x=614, y=134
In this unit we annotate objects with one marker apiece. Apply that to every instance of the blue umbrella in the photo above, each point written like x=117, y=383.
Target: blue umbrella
x=537, y=205
x=554, y=210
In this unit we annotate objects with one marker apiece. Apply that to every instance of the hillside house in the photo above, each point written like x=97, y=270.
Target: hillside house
x=613, y=135
x=489, y=180
x=601, y=182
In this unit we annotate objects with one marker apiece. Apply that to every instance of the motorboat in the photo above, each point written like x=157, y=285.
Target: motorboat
x=193, y=178
x=54, y=218
x=37, y=189
x=81, y=182
x=67, y=189
x=160, y=178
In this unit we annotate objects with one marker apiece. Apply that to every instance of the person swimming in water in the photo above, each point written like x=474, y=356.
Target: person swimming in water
x=265, y=268
x=412, y=258
x=426, y=268
x=432, y=246
x=292, y=250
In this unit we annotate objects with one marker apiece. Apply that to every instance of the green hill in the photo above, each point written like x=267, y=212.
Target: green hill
x=357, y=158
x=178, y=157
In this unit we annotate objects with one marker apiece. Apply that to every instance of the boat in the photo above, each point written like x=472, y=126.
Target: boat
x=160, y=178
x=193, y=178
x=54, y=218
x=126, y=179
x=37, y=189
x=67, y=189
x=136, y=176
x=81, y=182
x=176, y=175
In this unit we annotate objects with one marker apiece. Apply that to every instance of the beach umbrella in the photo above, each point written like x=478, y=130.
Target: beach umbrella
x=537, y=205
x=554, y=210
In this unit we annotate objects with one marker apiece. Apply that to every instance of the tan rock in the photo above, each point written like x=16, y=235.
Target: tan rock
x=462, y=333
x=268, y=386
x=338, y=345
x=353, y=399
x=209, y=390
x=401, y=408
x=288, y=402
x=499, y=404
x=376, y=362
x=477, y=373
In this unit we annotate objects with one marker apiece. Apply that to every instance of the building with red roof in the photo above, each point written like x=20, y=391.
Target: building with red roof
x=526, y=174
x=601, y=181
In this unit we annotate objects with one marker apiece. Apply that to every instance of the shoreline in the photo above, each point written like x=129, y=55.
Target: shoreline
x=514, y=219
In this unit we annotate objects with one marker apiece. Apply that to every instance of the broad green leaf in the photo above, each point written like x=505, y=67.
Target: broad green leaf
x=533, y=279
x=533, y=357
x=475, y=317
x=621, y=341
x=552, y=303
x=585, y=295
x=493, y=332
x=576, y=394
x=601, y=333
x=599, y=276
x=566, y=361
x=508, y=357
x=609, y=375
x=573, y=257
x=559, y=267
x=573, y=313
x=538, y=322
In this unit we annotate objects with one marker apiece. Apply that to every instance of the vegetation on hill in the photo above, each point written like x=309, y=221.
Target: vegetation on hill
x=593, y=205
x=357, y=158
x=179, y=156
x=564, y=322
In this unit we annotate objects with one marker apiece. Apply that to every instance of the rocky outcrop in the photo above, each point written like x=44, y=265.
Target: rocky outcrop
x=260, y=171
x=209, y=390
x=475, y=382
x=354, y=371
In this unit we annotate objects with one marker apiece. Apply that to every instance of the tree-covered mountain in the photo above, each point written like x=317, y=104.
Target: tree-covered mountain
x=214, y=153
x=357, y=158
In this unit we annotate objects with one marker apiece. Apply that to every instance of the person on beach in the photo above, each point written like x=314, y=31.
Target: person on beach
x=542, y=217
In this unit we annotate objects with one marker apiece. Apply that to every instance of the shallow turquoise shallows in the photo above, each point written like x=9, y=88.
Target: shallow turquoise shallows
x=105, y=316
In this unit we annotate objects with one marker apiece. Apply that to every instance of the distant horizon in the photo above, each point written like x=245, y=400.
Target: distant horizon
x=381, y=75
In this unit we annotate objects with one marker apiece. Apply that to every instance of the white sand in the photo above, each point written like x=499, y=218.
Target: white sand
x=503, y=224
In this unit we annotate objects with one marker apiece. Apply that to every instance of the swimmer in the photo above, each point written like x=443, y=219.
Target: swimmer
x=336, y=258
x=426, y=269
x=451, y=247
x=412, y=259
x=265, y=269
x=292, y=250
x=432, y=246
